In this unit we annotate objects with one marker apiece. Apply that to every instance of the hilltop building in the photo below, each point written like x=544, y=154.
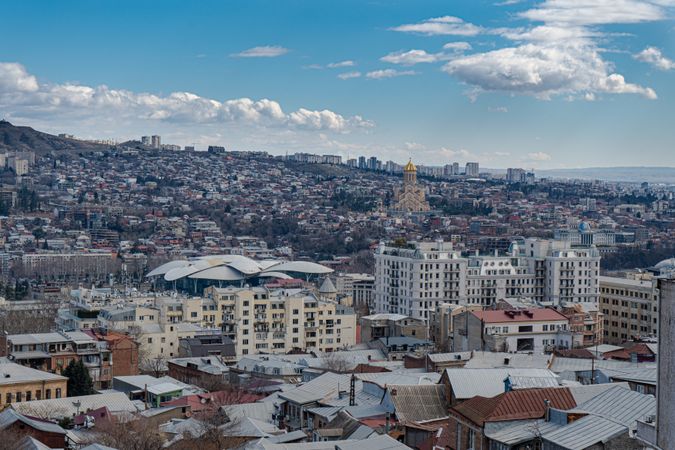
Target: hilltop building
x=411, y=197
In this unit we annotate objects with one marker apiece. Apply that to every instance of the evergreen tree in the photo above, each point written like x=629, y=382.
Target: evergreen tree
x=79, y=380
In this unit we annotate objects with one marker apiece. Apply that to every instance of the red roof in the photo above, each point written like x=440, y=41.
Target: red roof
x=521, y=404
x=519, y=315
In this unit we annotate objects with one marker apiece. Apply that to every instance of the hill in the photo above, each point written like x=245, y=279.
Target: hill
x=625, y=174
x=13, y=138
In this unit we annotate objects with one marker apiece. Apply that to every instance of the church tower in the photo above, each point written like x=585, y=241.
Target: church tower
x=411, y=197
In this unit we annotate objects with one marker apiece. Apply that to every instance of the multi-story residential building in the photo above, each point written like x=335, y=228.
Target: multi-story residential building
x=23, y=384
x=391, y=325
x=586, y=324
x=528, y=330
x=262, y=321
x=472, y=169
x=630, y=308
x=52, y=352
x=414, y=278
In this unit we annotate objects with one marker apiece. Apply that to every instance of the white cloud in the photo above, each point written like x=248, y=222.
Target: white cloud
x=389, y=73
x=597, y=12
x=414, y=146
x=543, y=70
x=21, y=95
x=265, y=51
x=349, y=75
x=448, y=153
x=502, y=154
x=411, y=57
x=13, y=77
x=653, y=56
x=336, y=65
x=498, y=109
x=539, y=156
x=457, y=46
x=446, y=25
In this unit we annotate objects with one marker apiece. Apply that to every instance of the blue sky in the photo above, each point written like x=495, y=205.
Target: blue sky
x=543, y=84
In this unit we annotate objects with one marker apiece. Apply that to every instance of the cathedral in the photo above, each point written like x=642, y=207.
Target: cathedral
x=411, y=197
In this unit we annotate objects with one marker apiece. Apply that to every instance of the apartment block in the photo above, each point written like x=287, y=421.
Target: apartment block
x=630, y=308
x=415, y=278
x=262, y=321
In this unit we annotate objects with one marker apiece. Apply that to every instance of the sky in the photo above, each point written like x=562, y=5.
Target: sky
x=506, y=83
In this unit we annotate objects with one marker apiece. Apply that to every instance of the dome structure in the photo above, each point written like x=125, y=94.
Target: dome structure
x=584, y=227
x=667, y=265
x=410, y=167
x=220, y=268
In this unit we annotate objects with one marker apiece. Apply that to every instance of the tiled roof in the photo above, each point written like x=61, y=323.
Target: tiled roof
x=515, y=405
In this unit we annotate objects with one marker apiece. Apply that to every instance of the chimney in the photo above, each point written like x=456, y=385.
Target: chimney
x=387, y=418
x=547, y=413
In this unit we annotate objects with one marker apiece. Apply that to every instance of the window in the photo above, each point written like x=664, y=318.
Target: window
x=525, y=329
x=8, y=398
x=18, y=397
x=149, y=340
x=471, y=439
x=48, y=394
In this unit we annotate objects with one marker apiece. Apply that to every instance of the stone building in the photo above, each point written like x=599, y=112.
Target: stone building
x=411, y=197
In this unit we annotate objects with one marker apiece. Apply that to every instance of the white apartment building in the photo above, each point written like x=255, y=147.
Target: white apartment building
x=262, y=321
x=413, y=280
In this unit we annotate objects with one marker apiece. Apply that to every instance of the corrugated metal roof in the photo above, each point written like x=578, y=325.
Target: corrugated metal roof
x=515, y=405
x=639, y=375
x=10, y=416
x=485, y=360
x=521, y=432
x=403, y=378
x=62, y=407
x=418, y=403
x=579, y=364
x=11, y=373
x=620, y=405
x=586, y=392
x=585, y=432
x=468, y=383
x=378, y=442
x=449, y=357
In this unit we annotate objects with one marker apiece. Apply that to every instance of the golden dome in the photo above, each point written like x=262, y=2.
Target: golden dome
x=410, y=167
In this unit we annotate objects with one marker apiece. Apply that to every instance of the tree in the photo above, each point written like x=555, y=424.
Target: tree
x=136, y=434
x=79, y=380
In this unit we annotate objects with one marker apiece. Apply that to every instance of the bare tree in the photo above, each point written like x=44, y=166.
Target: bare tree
x=336, y=362
x=137, y=434
x=10, y=438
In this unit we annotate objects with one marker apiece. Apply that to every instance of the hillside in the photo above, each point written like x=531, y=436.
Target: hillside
x=13, y=138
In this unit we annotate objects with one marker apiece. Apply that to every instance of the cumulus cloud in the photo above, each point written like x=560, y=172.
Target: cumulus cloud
x=22, y=95
x=349, y=75
x=13, y=77
x=498, y=109
x=539, y=156
x=389, y=73
x=265, y=51
x=336, y=65
x=543, y=70
x=653, y=56
x=446, y=25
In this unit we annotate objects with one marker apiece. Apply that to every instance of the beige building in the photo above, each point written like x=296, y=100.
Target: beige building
x=411, y=197
x=262, y=321
x=23, y=384
x=630, y=308
x=440, y=323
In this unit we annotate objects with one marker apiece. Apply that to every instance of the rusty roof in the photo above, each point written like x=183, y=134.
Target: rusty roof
x=515, y=405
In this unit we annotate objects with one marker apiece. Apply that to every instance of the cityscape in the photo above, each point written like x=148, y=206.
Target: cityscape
x=492, y=271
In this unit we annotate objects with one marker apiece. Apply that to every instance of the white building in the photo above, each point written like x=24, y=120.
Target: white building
x=414, y=279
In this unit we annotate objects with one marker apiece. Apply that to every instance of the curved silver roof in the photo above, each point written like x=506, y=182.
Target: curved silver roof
x=233, y=268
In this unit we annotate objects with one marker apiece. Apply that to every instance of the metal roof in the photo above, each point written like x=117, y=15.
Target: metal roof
x=418, y=403
x=561, y=364
x=483, y=360
x=638, y=375
x=468, y=383
x=449, y=357
x=620, y=405
x=62, y=407
x=519, y=432
x=585, y=432
x=586, y=392
x=377, y=442
x=11, y=373
x=10, y=416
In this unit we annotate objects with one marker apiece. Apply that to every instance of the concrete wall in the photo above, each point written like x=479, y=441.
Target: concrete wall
x=665, y=426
